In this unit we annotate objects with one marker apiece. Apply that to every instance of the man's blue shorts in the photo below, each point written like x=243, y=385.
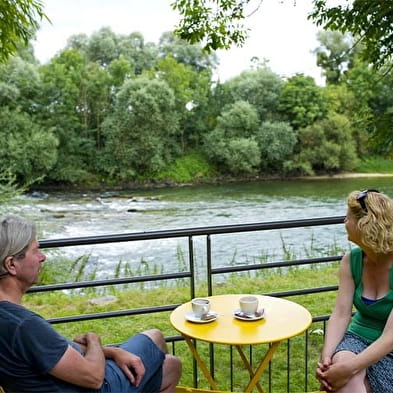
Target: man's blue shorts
x=152, y=357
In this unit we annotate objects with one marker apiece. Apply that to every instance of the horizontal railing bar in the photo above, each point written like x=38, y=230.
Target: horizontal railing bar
x=270, y=265
x=113, y=281
x=320, y=318
x=124, y=237
x=305, y=291
x=112, y=314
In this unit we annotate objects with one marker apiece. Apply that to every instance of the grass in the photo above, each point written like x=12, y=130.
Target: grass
x=114, y=330
x=187, y=169
x=375, y=165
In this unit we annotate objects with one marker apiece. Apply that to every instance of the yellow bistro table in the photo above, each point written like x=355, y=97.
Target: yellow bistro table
x=283, y=319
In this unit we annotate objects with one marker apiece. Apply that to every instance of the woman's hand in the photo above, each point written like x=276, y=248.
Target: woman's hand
x=322, y=368
x=335, y=376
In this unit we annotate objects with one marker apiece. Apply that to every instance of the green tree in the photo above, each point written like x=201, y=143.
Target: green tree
x=276, y=141
x=191, y=90
x=65, y=108
x=369, y=21
x=261, y=88
x=232, y=145
x=20, y=84
x=334, y=54
x=189, y=54
x=28, y=151
x=361, y=81
x=327, y=146
x=302, y=101
x=219, y=23
x=141, y=131
x=19, y=21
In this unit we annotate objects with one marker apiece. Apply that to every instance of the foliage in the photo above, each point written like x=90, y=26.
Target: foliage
x=375, y=165
x=170, y=45
x=232, y=145
x=8, y=186
x=218, y=24
x=142, y=130
x=361, y=81
x=302, y=102
x=334, y=55
x=188, y=168
x=28, y=151
x=19, y=21
x=327, y=145
x=122, y=109
x=276, y=141
x=260, y=87
x=191, y=90
x=213, y=22
x=368, y=21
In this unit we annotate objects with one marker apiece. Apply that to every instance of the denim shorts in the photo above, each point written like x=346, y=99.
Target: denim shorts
x=379, y=375
x=152, y=357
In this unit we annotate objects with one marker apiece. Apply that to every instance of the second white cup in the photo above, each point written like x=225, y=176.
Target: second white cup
x=200, y=306
x=248, y=304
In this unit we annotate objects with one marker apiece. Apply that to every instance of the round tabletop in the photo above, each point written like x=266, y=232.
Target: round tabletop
x=283, y=319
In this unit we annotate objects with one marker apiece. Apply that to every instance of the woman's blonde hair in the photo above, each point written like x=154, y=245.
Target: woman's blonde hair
x=374, y=214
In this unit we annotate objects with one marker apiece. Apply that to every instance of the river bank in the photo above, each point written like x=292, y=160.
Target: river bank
x=155, y=184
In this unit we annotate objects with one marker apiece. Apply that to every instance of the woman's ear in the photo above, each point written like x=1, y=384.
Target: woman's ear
x=9, y=264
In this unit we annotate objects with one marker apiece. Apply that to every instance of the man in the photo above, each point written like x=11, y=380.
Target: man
x=35, y=358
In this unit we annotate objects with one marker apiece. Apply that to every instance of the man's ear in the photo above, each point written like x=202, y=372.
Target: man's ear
x=9, y=264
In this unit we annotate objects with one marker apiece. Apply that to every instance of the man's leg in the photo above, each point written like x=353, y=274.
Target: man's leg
x=172, y=367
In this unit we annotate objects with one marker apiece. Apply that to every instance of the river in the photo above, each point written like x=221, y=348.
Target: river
x=63, y=215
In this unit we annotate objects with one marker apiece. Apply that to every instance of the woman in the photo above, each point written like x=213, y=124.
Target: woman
x=357, y=354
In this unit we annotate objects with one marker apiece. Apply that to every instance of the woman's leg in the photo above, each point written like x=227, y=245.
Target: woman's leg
x=358, y=383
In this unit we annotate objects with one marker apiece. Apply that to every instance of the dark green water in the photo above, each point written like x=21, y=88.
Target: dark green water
x=72, y=215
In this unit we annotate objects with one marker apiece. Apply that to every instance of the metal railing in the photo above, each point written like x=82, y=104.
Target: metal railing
x=190, y=275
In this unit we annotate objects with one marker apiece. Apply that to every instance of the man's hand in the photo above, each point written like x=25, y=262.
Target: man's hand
x=131, y=365
x=85, y=338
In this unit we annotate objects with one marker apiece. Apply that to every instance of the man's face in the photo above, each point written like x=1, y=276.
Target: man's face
x=28, y=268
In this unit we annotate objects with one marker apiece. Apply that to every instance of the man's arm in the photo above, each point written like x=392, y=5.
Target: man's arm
x=131, y=365
x=87, y=371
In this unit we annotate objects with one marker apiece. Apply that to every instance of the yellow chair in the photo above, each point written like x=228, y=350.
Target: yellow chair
x=186, y=389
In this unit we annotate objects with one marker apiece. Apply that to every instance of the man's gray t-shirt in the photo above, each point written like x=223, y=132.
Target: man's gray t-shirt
x=29, y=349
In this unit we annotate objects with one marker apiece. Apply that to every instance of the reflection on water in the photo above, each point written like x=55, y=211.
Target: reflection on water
x=74, y=215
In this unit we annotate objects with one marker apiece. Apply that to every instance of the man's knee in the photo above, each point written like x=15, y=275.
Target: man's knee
x=173, y=362
x=158, y=338
x=172, y=369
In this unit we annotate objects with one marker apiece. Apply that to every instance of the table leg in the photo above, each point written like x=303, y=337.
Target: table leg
x=248, y=366
x=200, y=363
x=260, y=369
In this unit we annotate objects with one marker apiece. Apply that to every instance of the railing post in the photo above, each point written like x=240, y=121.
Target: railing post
x=192, y=265
x=209, y=266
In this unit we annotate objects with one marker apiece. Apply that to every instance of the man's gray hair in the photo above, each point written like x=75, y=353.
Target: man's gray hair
x=16, y=234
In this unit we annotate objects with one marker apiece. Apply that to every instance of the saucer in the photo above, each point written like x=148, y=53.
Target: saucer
x=260, y=314
x=210, y=317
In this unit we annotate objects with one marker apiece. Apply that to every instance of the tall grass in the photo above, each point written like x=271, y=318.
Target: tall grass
x=375, y=165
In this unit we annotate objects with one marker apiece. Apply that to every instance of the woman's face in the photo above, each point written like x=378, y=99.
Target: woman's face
x=350, y=222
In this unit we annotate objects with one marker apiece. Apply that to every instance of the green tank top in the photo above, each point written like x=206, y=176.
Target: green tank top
x=369, y=320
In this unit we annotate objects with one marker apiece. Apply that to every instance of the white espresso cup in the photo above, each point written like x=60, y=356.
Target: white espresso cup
x=248, y=304
x=200, y=306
